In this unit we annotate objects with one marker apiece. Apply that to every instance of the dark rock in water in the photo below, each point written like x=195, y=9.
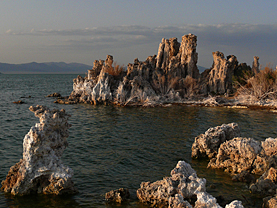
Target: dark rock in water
x=244, y=176
x=55, y=94
x=118, y=196
x=266, y=184
x=270, y=202
x=41, y=169
x=19, y=102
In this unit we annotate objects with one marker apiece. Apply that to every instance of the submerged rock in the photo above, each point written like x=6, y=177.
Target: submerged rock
x=18, y=102
x=266, y=184
x=118, y=196
x=270, y=202
x=207, y=144
x=55, y=94
x=41, y=169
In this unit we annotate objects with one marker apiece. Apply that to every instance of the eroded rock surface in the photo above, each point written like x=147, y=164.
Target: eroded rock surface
x=218, y=79
x=175, y=191
x=41, y=169
x=207, y=144
x=266, y=184
x=167, y=77
x=171, y=76
x=245, y=154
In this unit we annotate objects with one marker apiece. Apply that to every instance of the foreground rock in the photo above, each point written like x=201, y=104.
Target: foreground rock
x=246, y=154
x=176, y=191
x=207, y=144
x=41, y=169
x=266, y=184
x=241, y=157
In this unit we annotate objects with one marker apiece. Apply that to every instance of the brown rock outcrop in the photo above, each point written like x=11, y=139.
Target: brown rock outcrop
x=171, y=76
x=159, y=79
x=174, y=191
x=183, y=181
x=266, y=184
x=270, y=202
x=207, y=144
x=218, y=79
x=189, y=56
x=236, y=155
x=256, y=65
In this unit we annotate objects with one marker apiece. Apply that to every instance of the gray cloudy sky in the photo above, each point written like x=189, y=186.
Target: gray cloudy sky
x=85, y=30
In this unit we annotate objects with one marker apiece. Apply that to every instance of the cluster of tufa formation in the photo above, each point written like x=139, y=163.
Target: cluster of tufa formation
x=181, y=190
x=169, y=76
x=41, y=169
x=241, y=157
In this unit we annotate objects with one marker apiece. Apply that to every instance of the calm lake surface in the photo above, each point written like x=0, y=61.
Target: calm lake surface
x=114, y=147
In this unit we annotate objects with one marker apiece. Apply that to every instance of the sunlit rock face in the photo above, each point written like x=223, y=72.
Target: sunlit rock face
x=256, y=65
x=207, y=144
x=183, y=181
x=175, y=191
x=246, y=154
x=41, y=169
x=218, y=79
x=158, y=79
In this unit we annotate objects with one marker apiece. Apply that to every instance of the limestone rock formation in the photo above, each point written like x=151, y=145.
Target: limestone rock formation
x=41, y=169
x=207, y=144
x=174, y=191
x=205, y=200
x=170, y=76
x=178, y=201
x=256, y=65
x=164, y=78
x=183, y=181
x=246, y=154
x=236, y=155
x=234, y=204
x=218, y=79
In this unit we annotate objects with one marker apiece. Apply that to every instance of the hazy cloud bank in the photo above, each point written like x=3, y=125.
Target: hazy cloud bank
x=129, y=42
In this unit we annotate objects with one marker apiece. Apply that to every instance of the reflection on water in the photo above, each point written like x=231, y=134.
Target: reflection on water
x=113, y=147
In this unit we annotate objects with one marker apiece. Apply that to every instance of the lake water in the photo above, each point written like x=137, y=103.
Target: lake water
x=113, y=147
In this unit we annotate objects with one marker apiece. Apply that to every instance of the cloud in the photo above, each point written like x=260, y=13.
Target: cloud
x=242, y=40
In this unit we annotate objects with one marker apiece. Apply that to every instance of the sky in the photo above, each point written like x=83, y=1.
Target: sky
x=85, y=30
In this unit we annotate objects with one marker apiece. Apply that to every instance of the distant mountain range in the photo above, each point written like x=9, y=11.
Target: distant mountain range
x=48, y=67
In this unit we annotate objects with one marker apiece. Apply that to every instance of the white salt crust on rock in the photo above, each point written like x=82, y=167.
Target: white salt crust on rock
x=174, y=191
x=41, y=169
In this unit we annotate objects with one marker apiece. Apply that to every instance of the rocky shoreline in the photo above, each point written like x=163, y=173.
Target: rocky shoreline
x=171, y=77
x=244, y=159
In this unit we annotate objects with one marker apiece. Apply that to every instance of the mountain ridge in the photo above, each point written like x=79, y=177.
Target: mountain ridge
x=44, y=67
